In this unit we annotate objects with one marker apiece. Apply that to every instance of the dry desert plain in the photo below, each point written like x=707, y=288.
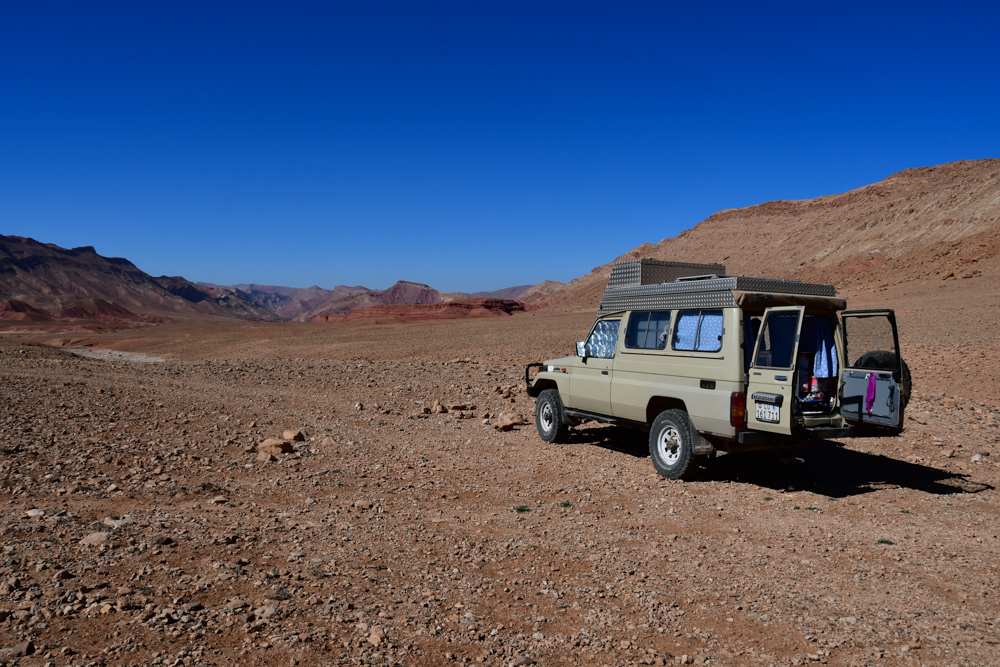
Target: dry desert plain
x=141, y=525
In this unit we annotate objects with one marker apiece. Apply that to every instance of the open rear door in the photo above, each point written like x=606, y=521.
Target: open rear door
x=869, y=385
x=771, y=381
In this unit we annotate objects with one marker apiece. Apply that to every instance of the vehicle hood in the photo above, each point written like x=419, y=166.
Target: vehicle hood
x=566, y=362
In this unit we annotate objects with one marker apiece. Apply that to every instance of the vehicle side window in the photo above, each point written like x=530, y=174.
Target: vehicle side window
x=648, y=330
x=698, y=331
x=603, y=339
x=710, y=332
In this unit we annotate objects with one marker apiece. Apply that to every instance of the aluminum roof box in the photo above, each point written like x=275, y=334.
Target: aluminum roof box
x=634, y=272
x=655, y=284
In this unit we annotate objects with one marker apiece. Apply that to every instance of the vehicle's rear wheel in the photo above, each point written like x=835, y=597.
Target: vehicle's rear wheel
x=549, y=417
x=882, y=359
x=670, y=444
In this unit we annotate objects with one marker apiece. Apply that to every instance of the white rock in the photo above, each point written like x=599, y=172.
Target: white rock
x=96, y=539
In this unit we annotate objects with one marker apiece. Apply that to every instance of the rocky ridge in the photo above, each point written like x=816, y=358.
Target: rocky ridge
x=924, y=225
x=79, y=285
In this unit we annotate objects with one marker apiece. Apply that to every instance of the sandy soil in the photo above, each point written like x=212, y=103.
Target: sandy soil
x=141, y=526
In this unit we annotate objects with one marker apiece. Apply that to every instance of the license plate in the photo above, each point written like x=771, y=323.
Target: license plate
x=768, y=413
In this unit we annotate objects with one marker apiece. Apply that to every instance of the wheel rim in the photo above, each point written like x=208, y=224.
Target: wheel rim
x=546, y=417
x=668, y=445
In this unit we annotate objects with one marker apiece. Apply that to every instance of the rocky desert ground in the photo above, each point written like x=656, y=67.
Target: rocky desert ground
x=388, y=521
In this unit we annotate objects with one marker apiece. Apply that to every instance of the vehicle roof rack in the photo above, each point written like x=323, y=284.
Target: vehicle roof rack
x=707, y=276
x=656, y=284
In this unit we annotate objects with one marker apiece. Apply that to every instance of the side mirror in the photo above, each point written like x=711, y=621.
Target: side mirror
x=581, y=349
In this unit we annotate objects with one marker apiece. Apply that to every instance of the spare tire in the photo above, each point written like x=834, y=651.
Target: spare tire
x=885, y=360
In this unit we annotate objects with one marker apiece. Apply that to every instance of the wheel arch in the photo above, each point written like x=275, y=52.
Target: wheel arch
x=658, y=404
x=542, y=384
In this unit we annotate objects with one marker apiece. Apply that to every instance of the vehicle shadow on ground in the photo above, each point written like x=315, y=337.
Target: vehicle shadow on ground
x=829, y=469
x=615, y=438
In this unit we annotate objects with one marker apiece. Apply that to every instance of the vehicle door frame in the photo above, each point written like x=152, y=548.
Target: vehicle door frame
x=886, y=382
x=590, y=384
x=771, y=385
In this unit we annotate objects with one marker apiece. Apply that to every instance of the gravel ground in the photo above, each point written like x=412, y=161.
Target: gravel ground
x=142, y=524
x=114, y=355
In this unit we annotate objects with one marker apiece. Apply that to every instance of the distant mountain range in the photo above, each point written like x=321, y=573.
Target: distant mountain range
x=315, y=303
x=43, y=283
x=924, y=225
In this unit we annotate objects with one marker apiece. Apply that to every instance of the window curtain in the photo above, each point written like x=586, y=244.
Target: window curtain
x=825, y=362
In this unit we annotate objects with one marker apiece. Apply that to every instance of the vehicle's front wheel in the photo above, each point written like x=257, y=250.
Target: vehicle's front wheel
x=670, y=444
x=549, y=417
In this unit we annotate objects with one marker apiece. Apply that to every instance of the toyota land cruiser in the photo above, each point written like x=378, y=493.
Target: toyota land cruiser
x=708, y=362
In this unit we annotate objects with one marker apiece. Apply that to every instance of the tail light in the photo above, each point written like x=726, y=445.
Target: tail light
x=738, y=409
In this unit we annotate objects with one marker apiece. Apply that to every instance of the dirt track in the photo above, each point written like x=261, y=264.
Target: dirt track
x=392, y=536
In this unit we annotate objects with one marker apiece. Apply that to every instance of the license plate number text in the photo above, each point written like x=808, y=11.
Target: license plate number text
x=768, y=413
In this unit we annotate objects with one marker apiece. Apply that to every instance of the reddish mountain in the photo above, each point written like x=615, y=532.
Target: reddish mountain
x=932, y=223
x=306, y=304
x=403, y=293
x=93, y=314
x=407, y=293
x=12, y=309
x=438, y=311
x=99, y=310
x=292, y=303
x=80, y=284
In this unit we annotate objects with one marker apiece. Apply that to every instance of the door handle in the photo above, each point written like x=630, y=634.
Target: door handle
x=604, y=372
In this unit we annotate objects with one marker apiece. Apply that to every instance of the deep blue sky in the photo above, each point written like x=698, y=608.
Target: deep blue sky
x=467, y=145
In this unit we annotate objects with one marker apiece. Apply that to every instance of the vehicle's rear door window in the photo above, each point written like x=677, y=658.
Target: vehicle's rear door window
x=778, y=339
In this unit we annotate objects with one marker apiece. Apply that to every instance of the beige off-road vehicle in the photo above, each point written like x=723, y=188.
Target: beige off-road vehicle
x=713, y=363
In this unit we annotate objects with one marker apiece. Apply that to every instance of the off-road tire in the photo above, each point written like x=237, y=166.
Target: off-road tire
x=670, y=445
x=549, y=417
x=883, y=358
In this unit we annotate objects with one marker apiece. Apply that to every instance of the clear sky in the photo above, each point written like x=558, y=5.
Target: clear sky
x=469, y=145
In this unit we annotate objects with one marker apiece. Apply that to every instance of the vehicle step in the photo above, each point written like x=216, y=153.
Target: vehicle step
x=590, y=416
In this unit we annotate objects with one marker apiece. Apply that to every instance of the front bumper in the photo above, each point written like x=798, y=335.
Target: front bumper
x=531, y=389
